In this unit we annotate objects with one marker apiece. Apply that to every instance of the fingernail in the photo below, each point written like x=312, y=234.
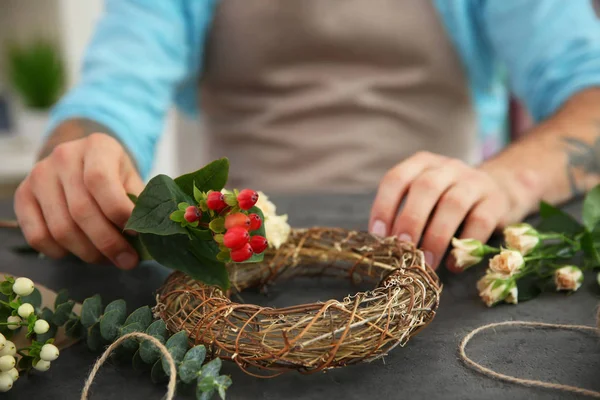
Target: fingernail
x=126, y=260
x=379, y=228
x=405, y=237
x=428, y=258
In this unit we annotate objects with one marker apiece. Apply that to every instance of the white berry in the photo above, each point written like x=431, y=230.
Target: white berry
x=23, y=286
x=13, y=373
x=6, y=382
x=42, y=365
x=49, y=352
x=41, y=326
x=9, y=349
x=25, y=310
x=14, y=322
x=7, y=363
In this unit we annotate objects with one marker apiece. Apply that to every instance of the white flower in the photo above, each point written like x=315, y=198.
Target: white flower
x=494, y=287
x=568, y=278
x=49, y=352
x=25, y=310
x=41, y=326
x=9, y=349
x=521, y=237
x=23, y=286
x=6, y=382
x=7, y=363
x=42, y=365
x=467, y=252
x=14, y=374
x=265, y=205
x=277, y=230
x=15, y=322
x=507, y=262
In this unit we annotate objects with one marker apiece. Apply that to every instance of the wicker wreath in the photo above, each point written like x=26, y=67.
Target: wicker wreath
x=266, y=341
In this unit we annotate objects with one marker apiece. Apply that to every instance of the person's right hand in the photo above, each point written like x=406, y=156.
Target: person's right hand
x=75, y=201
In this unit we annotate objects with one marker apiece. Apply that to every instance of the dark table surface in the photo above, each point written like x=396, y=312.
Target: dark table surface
x=428, y=367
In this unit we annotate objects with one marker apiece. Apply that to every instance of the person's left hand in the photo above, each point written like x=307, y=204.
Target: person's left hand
x=439, y=194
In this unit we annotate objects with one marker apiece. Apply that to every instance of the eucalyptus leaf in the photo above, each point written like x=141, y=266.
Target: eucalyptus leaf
x=139, y=364
x=155, y=204
x=177, y=346
x=188, y=370
x=222, y=383
x=35, y=299
x=61, y=297
x=142, y=315
x=117, y=305
x=148, y=351
x=94, y=338
x=63, y=313
x=73, y=328
x=196, y=353
x=6, y=288
x=211, y=368
x=212, y=177
x=91, y=310
x=130, y=344
x=110, y=323
x=207, y=383
x=157, y=374
x=200, y=395
x=591, y=209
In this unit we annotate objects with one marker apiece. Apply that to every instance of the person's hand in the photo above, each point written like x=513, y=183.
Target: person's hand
x=440, y=194
x=75, y=201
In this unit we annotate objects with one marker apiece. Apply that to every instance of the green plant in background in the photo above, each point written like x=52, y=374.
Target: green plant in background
x=36, y=71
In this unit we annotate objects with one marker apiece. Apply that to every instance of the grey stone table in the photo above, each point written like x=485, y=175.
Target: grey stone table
x=428, y=367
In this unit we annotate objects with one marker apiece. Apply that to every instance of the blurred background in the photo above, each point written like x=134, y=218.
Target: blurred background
x=42, y=43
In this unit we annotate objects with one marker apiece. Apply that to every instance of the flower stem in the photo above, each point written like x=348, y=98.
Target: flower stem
x=14, y=323
x=5, y=303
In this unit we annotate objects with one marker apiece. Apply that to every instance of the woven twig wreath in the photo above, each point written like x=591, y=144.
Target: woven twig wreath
x=310, y=337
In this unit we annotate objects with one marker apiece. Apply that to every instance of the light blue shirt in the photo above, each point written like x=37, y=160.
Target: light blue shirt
x=147, y=54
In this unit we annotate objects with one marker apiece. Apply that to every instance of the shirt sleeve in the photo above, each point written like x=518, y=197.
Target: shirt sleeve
x=141, y=52
x=551, y=48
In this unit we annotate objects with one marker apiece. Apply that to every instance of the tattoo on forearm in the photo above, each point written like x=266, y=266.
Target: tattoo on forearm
x=72, y=129
x=583, y=159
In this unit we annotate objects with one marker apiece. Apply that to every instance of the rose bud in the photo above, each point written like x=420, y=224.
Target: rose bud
x=521, y=237
x=236, y=237
x=247, y=199
x=258, y=244
x=494, y=287
x=568, y=278
x=237, y=219
x=467, y=252
x=216, y=201
x=507, y=262
x=241, y=254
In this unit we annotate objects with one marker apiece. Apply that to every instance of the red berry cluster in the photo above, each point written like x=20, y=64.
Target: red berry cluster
x=229, y=221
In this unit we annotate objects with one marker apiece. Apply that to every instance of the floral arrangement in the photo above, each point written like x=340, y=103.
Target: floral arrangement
x=536, y=259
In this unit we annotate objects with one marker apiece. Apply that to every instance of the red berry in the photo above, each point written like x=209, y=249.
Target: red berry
x=241, y=254
x=236, y=237
x=237, y=219
x=247, y=199
x=258, y=244
x=216, y=201
x=255, y=221
x=192, y=214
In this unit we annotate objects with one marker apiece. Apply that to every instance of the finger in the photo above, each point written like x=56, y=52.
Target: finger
x=423, y=195
x=484, y=218
x=32, y=224
x=90, y=219
x=452, y=209
x=48, y=190
x=392, y=189
x=104, y=176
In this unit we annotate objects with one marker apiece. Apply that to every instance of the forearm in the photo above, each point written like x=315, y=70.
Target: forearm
x=557, y=160
x=69, y=130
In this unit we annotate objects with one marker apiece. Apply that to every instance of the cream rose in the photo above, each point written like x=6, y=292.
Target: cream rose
x=507, y=262
x=495, y=287
x=467, y=252
x=521, y=237
x=568, y=278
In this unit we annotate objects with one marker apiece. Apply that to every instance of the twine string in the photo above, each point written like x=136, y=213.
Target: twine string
x=525, y=382
x=138, y=335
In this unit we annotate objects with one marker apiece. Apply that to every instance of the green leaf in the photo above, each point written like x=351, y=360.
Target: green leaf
x=148, y=351
x=61, y=297
x=177, y=346
x=528, y=288
x=6, y=288
x=91, y=310
x=94, y=338
x=117, y=305
x=591, y=209
x=138, y=363
x=211, y=369
x=132, y=197
x=556, y=220
x=177, y=216
x=198, y=195
x=197, y=353
x=201, y=234
x=25, y=363
x=587, y=245
x=174, y=252
x=74, y=329
x=142, y=315
x=35, y=299
x=207, y=384
x=212, y=177
x=157, y=374
x=217, y=225
x=15, y=304
x=222, y=382
x=130, y=344
x=110, y=323
x=155, y=204
x=200, y=395
x=183, y=206
x=136, y=242
x=62, y=313
x=188, y=370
